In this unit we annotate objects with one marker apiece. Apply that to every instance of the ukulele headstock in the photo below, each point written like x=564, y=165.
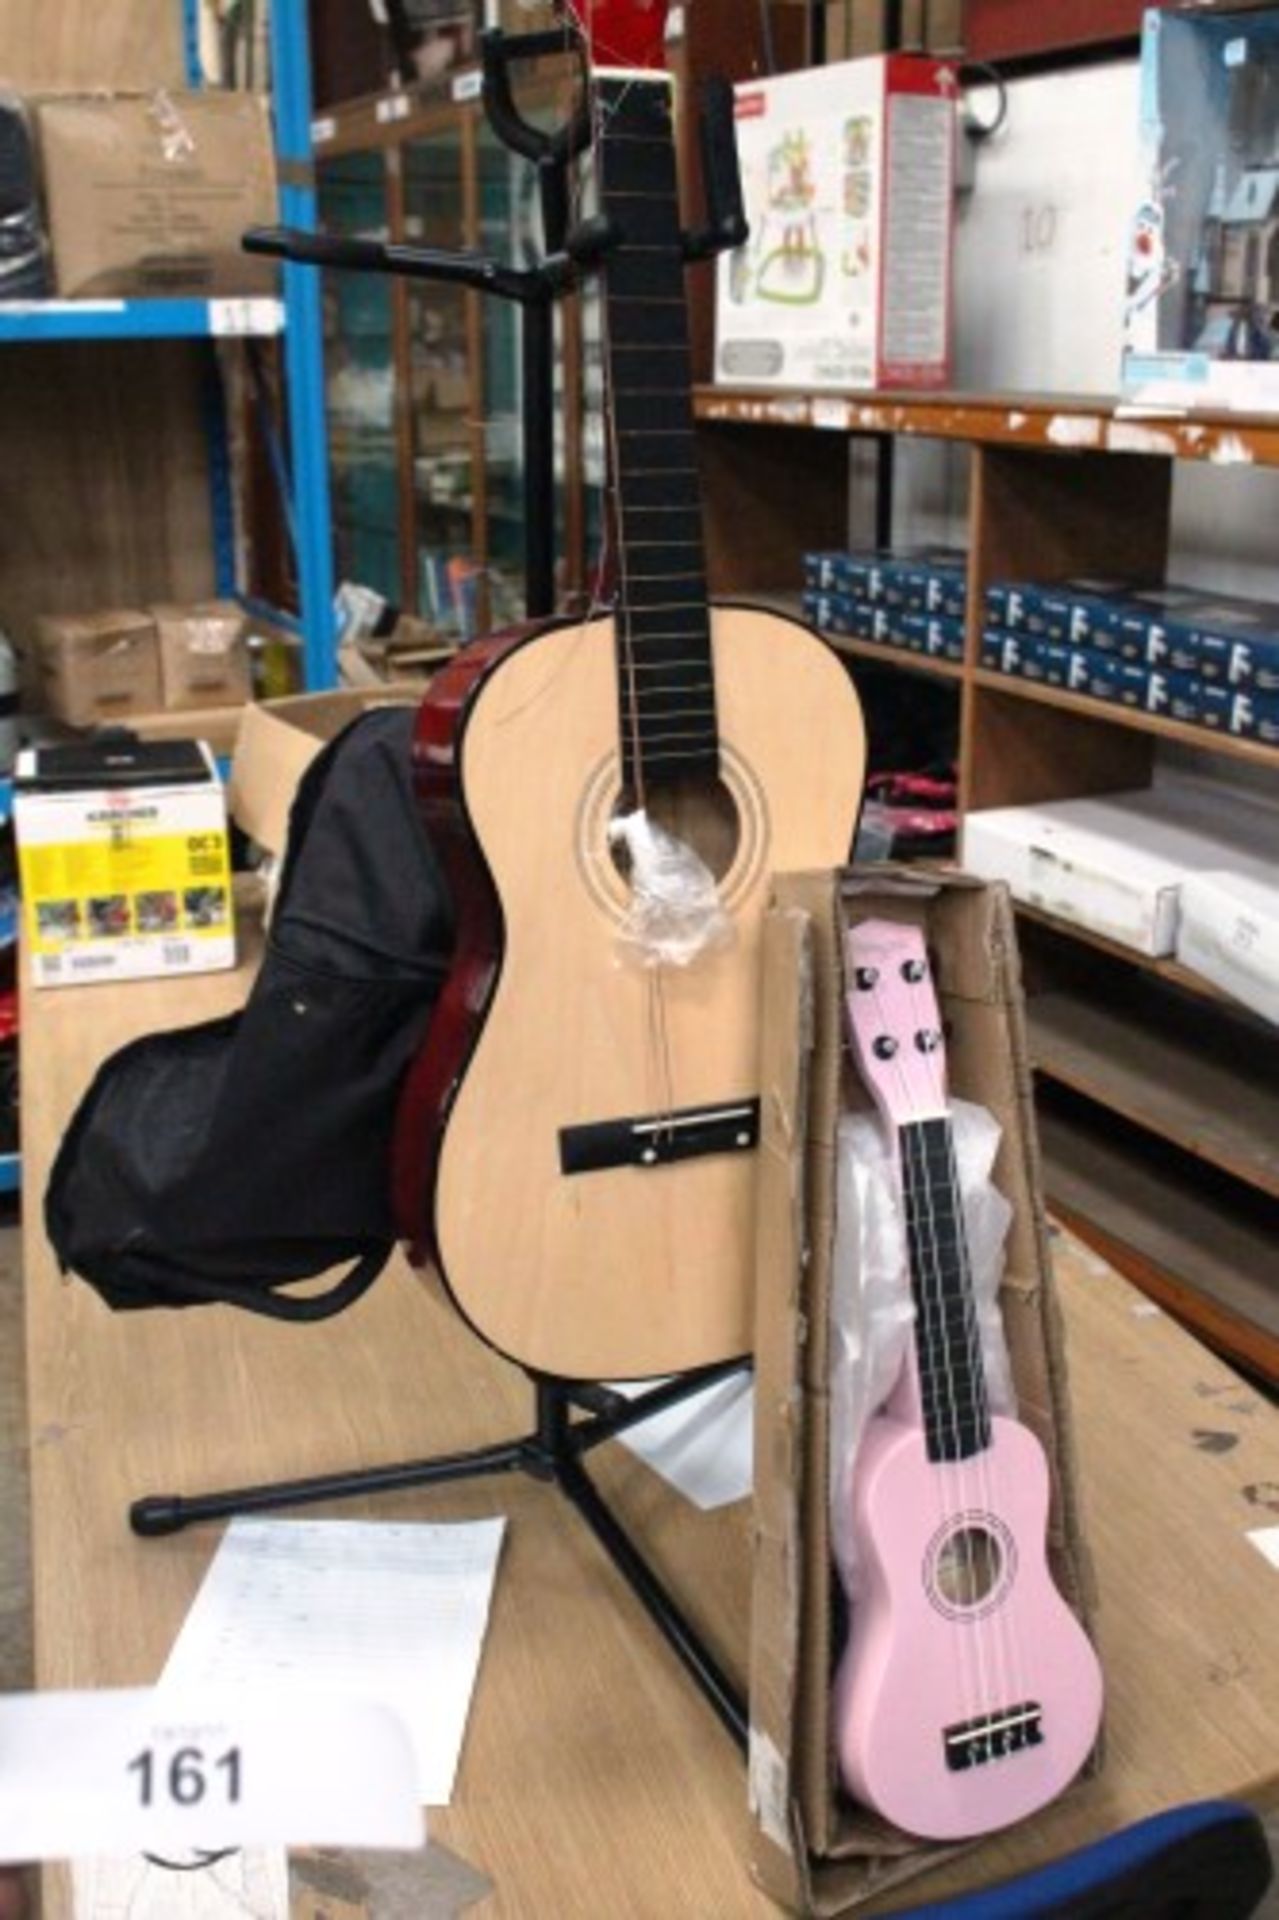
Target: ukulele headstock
x=621, y=33
x=894, y=1020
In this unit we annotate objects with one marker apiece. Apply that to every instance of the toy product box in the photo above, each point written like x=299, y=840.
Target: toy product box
x=1201, y=313
x=124, y=862
x=845, y=281
x=812, y=1848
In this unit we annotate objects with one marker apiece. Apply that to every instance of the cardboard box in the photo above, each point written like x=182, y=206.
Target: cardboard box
x=1202, y=299
x=848, y=175
x=124, y=862
x=1116, y=865
x=858, y=27
x=204, y=655
x=150, y=193
x=277, y=741
x=96, y=668
x=1229, y=933
x=812, y=1849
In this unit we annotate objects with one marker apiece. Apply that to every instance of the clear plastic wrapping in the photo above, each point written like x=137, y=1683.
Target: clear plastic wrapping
x=871, y=1308
x=676, y=914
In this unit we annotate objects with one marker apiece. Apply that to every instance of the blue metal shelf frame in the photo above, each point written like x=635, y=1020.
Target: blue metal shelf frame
x=299, y=316
x=304, y=345
x=36, y=320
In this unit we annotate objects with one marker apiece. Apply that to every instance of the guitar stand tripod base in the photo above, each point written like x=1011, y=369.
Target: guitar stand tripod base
x=552, y=1452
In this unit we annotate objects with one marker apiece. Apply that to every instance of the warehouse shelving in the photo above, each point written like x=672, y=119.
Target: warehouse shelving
x=1157, y=1109
x=294, y=317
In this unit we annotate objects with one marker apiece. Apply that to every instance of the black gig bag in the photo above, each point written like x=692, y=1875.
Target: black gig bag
x=229, y=1161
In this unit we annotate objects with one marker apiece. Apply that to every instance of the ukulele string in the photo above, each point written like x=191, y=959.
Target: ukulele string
x=982, y=1632
x=969, y=1671
x=950, y=1478
x=1008, y=1639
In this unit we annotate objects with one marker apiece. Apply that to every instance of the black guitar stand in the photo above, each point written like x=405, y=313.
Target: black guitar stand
x=570, y=1417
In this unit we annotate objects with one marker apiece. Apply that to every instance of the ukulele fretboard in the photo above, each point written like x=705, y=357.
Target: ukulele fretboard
x=665, y=677
x=952, y=1377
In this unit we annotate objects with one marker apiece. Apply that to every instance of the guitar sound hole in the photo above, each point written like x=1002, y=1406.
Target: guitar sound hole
x=701, y=813
x=969, y=1567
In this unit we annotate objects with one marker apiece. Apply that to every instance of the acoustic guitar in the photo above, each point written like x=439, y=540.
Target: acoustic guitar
x=968, y=1695
x=576, y=1143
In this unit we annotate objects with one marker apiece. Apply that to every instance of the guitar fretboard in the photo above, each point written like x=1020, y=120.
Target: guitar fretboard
x=665, y=677
x=952, y=1377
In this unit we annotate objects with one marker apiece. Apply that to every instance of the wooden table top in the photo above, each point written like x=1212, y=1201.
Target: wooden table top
x=594, y=1780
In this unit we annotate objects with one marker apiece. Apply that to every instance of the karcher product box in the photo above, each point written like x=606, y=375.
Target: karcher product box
x=124, y=861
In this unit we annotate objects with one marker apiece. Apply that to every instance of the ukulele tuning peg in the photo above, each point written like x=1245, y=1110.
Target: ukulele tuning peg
x=885, y=1047
x=928, y=1040
x=866, y=978
x=913, y=971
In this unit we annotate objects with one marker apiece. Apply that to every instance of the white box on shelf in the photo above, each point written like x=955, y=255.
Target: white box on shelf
x=1116, y=866
x=1229, y=933
x=848, y=177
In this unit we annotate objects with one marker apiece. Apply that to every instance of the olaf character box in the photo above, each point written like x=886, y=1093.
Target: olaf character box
x=1201, y=313
x=848, y=179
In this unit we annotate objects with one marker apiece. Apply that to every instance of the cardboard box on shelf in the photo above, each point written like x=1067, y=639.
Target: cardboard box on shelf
x=204, y=656
x=844, y=282
x=812, y=1849
x=1201, y=314
x=124, y=861
x=150, y=193
x=858, y=27
x=95, y=668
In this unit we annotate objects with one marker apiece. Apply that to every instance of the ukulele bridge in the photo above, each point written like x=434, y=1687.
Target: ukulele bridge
x=658, y=1139
x=993, y=1736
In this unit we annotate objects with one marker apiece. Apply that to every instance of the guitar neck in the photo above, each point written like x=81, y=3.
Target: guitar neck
x=665, y=674
x=952, y=1381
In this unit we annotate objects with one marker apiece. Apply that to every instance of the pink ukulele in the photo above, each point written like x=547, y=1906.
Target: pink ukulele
x=968, y=1695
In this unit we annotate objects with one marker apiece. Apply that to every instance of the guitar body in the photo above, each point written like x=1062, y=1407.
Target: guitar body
x=545, y=1031
x=925, y=1657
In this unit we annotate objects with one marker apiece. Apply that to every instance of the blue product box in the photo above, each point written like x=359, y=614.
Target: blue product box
x=1147, y=627
x=1067, y=610
x=1103, y=676
x=1002, y=652
x=1241, y=711
x=944, y=636
x=936, y=583
x=1047, y=661
x=1236, y=641
x=931, y=634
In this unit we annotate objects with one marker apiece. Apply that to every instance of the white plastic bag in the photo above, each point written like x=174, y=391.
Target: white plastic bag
x=676, y=914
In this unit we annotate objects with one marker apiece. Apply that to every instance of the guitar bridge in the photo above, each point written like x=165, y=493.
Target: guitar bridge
x=658, y=1139
x=993, y=1736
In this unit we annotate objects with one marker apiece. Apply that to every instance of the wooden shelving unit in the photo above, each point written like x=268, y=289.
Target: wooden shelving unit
x=1159, y=1098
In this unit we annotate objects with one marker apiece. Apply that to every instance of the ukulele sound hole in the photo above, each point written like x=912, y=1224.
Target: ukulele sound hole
x=701, y=813
x=969, y=1567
